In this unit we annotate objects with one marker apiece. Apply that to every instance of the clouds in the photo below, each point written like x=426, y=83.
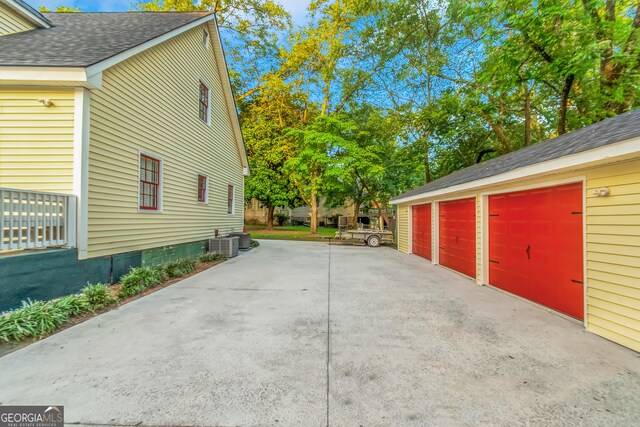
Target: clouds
x=297, y=9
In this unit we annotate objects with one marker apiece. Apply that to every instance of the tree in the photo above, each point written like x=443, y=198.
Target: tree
x=266, y=118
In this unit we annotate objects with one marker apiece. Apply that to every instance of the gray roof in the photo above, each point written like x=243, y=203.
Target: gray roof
x=33, y=11
x=617, y=129
x=84, y=39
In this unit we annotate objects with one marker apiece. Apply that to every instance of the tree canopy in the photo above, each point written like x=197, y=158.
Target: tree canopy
x=369, y=98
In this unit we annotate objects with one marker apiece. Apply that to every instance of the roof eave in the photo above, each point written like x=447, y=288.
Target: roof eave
x=47, y=76
x=29, y=13
x=606, y=152
x=232, y=109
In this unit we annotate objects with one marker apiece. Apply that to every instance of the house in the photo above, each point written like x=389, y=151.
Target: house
x=255, y=213
x=119, y=144
x=557, y=223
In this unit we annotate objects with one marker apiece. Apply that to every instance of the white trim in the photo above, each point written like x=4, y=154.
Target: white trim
x=410, y=230
x=116, y=59
x=36, y=75
x=623, y=148
x=484, y=213
x=545, y=184
x=28, y=14
x=160, y=187
x=584, y=251
x=232, y=110
x=81, y=127
x=435, y=223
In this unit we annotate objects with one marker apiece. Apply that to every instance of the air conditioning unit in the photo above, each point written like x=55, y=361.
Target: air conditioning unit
x=227, y=246
x=245, y=239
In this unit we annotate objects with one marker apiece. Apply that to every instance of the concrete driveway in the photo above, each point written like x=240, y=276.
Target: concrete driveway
x=246, y=343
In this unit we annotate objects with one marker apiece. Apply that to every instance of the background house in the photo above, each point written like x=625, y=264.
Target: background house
x=119, y=142
x=557, y=223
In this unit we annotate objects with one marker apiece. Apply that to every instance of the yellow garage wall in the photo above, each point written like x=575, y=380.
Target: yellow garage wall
x=403, y=228
x=36, y=142
x=11, y=22
x=613, y=253
x=150, y=103
x=612, y=243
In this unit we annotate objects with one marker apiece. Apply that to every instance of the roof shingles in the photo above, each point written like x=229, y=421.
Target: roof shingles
x=617, y=129
x=84, y=39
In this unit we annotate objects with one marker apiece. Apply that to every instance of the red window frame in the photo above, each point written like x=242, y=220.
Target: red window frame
x=202, y=188
x=203, y=108
x=230, y=191
x=149, y=176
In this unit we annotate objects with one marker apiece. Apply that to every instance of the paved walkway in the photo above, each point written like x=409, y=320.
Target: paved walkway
x=245, y=343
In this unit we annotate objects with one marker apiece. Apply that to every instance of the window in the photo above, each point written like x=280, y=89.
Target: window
x=202, y=189
x=204, y=103
x=205, y=38
x=149, y=183
x=230, y=199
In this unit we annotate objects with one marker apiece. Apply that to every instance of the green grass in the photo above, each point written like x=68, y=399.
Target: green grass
x=290, y=232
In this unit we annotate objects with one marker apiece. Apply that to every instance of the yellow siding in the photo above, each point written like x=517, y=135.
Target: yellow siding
x=613, y=253
x=36, y=142
x=150, y=103
x=403, y=228
x=11, y=22
x=612, y=244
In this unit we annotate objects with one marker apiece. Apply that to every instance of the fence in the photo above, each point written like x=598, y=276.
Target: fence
x=31, y=219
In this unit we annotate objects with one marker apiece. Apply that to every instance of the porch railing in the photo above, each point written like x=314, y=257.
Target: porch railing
x=30, y=219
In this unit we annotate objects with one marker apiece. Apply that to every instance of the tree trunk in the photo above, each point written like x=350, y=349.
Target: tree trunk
x=314, y=213
x=527, y=116
x=497, y=129
x=314, y=206
x=564, y=104
x=270, y=209
x=356, y=211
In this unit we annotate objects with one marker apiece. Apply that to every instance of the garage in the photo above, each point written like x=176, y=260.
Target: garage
x=421, y=230
x=457, y=231
x=536, y=246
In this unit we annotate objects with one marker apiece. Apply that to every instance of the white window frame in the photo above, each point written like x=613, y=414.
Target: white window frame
x=206, y=187
x=160, y=184
x=208, y=86
x=233, y=199
x=206, y=38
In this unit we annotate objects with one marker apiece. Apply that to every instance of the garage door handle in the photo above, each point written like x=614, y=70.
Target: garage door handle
x=528, y=251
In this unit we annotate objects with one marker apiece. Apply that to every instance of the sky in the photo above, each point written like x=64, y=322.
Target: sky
x=296, y=8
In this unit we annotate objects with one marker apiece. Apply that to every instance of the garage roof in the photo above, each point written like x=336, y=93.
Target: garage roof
x=617, y=129
x=84, y=39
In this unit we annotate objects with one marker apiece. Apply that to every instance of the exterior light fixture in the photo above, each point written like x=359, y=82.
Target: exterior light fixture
x=601, y=192
x=46, y=102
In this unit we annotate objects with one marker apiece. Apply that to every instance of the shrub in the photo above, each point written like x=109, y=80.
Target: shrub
x=210, y=257
x=280, y=218
x=129, y=291
x=254, y=243
x=72, y=305
x=98, y=295
x=180, y=267
x=38, y=318
x=140, y=279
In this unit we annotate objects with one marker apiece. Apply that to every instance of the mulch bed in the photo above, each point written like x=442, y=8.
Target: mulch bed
x=6, y=348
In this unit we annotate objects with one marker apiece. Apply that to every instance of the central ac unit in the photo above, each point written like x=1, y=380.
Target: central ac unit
x=245, y=239
x=227, y=246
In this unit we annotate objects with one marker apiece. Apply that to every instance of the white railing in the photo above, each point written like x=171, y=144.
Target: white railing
x=31, y=219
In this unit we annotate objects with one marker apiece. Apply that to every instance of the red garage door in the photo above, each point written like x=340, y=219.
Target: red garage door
x=421, y=230
x=535, y=246
x=457, y=229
